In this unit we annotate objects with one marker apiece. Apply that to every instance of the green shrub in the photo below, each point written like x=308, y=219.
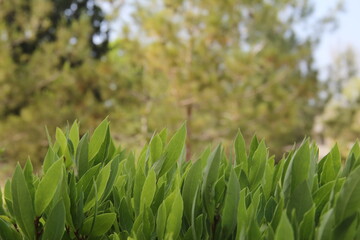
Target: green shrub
x=90, y=189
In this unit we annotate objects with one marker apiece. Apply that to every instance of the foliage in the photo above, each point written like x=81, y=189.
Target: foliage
x=52, y=57
x=42, y=43
x=219, y=65
x=90, y=189
x=225, y=65
x=339, y=120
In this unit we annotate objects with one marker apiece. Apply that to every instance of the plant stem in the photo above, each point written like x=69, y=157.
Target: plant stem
x=38, y=228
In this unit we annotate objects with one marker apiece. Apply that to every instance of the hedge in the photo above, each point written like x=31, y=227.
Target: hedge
x=90, y=189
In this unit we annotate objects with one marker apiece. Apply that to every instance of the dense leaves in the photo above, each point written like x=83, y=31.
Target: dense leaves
x=107, y=193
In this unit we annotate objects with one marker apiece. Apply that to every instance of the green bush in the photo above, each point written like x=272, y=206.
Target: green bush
x=90, y=189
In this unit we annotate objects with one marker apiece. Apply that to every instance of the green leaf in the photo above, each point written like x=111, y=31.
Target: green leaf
x=101, y=183
x=8, y=232
x=349, y=165
x=191, y=184
x=257, y=165
x=74, y=134
x=253, y=146
x=220, y=186
x=240, y=150
x=242, y=216
x=300, y=200
x=115, y=236
x=174, y=220
x=284, y=231
x=325, y=229
x=48, y=136
x=28, y=174
x=230, y=205
x=347, y=229
x=8, y=197
x=2, y=211
x=82, y=159
x=156, y=148
x=173, y=150
x=47, y=187
x=114, y=167
x=103, y=223
x=49, y=160
x=63, y=143
x=198, y=227
x=55, y=224
x=298, y=170
x=254, y=202
x=355, y=150
x=353, y=160
x=331, y=166
x=106, y=149
x=161, y=221
x=125, y=211
x=307, y=226
x=209, y=178
x=270, y=208
x=64, y=193
x=268, y=178
x=348, y=202
x=98, y=138
x=148, y=191
x=322, y=195
x=138, y=186
x=77, y=213
x=163, y=135
x=277, y=214
x=22, y=203
x=254, y=229
x=149, y=223
x=87, y=178
x=130, y=163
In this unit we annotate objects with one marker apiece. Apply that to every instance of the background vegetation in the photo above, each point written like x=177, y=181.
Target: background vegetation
x=220, y=65
x=89, y=189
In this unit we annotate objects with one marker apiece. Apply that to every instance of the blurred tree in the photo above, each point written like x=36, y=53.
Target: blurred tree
x=340, y=118
x=343, y=68
x=218, y=64
x=52, y=55
x=62, y=29
x=226, y=64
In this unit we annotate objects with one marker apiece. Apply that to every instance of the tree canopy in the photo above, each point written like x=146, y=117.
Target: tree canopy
x=219, y=65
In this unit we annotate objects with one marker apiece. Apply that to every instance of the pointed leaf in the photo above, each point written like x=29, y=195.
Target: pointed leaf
x=55, y=224
x=47, y=187
x=284, y=230
x=22, y=203
x=173, y=150
x=103, y=223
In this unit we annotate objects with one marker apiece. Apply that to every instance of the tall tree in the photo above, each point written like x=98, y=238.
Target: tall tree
x=52, y=30
x=341, y=115
x=219, y=65
x=226, y=64
x=52, y=55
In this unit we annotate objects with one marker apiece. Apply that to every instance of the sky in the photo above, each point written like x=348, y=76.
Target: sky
x=347, y=33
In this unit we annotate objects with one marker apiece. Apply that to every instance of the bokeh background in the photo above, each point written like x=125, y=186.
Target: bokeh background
x=283, y=69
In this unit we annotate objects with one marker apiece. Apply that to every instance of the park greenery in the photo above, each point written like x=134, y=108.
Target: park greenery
x=91, y=189
x=211, y=67
x=218, y=65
